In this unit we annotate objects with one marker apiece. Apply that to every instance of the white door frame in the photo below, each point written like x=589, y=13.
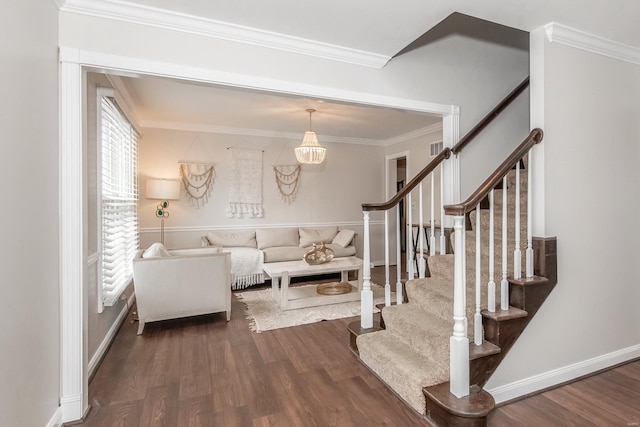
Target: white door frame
x=73, y=249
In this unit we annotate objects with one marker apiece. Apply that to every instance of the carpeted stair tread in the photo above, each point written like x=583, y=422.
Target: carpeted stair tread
x=424, y=331
x=441, y=266
x=438, y=299
x=403, y=369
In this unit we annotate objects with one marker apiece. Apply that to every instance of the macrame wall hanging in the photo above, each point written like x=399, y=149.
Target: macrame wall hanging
x=245, y=189
x=287, y=178
x=197, y=180
x=197, y=176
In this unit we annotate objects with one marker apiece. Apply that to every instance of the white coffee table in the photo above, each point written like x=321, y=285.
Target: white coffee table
x=306, y=296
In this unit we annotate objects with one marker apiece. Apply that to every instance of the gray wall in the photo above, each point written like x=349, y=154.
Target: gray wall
x=327, y=194
x=30, y=335
x=588, y=107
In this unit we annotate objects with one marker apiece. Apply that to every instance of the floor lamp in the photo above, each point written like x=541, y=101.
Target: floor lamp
x=165, y=190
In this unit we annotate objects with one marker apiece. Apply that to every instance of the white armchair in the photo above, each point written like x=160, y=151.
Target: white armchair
x=189, y=282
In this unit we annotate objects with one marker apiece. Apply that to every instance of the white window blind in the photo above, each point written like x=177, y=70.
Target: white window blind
x=119, y=198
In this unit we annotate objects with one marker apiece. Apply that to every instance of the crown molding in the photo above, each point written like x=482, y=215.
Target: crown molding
x=161, y=18
x=561, y=34
x=206, y=128
x=434, y=128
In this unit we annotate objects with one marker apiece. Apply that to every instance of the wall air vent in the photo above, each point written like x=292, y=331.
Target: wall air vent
x=435, y=148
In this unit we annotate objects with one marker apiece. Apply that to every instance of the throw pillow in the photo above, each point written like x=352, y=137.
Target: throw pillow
x=309, y=236
x=344, y=237
x=232, y=238
x=156, y=250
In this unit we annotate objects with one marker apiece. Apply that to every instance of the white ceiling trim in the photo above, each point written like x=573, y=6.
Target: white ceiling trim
x=165, y=19
x=224, y=130
x=138, y=66
x=561, y=34
x=434, y=128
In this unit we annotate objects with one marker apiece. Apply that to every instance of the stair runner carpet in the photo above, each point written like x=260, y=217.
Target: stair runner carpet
x=413, y=351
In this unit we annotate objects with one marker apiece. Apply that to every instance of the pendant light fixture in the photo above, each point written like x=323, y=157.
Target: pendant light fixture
x=310, y=151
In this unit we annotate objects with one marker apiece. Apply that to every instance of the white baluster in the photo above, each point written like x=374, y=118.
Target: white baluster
x=529, y=251
x=491, y=286
x=410, y=252
x=432, y=236
x=517, y=253
x=387, y=286
x=443, y=243
x=477, y=319
x=504, y=283
x=366, y=295
x=398, y=259
x=459, y=343
x=421, y=261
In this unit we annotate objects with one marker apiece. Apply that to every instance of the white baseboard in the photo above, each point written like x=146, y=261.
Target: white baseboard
x=56, y=419
x=110, y=336
x=563, y=375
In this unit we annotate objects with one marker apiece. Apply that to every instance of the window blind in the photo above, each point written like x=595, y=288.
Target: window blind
x=119, y=198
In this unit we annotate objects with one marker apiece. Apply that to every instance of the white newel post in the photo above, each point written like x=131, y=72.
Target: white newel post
x=366, y=298
x=459, y=343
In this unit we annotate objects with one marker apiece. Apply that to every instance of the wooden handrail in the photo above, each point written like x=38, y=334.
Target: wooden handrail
x=489, y=117
x=446, y=153
x=468, y=205
x=433, y=164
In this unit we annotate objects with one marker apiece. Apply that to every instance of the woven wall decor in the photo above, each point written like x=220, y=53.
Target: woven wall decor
x=288, y=181
x=197, y=180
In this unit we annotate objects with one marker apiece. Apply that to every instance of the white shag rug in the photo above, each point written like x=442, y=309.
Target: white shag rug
x=266, y=315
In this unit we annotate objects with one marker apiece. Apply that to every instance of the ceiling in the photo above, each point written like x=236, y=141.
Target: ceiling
x=166, y=103
x=380, y=30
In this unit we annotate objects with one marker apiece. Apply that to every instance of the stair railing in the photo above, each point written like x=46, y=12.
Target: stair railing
x=366, y=317
x=459, y=343
x=413, y=259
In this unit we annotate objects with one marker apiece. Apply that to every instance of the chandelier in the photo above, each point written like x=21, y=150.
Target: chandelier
x=310, y=151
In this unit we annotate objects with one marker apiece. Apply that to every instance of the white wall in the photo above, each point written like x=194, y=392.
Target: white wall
x=30, y=335
x=454, y=70
x=589, y=112
x=419, y=156
x=328, y=194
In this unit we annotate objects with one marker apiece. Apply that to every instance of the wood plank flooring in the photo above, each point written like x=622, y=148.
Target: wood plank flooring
x=206, y=372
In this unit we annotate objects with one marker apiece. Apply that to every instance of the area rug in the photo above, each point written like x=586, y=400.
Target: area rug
x=264, y=314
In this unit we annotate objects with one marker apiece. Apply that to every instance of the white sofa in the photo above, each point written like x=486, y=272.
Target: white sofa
x=180, y=283
x=250, y=249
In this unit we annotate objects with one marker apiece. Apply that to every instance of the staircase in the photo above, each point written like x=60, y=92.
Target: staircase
x=410, y=352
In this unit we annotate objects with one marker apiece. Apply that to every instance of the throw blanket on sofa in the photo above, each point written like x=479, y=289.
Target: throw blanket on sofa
x=245, y=189
x=246, y=266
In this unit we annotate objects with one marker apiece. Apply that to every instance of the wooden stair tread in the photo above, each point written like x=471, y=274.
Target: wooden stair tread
x=485, y=349
x=529, y=281
x=355, y=328
x=477, y=404
x=503, y=315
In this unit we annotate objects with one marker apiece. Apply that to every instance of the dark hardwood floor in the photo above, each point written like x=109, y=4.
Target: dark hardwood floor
x=207, y=372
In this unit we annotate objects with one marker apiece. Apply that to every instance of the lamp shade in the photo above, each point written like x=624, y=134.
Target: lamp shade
x=163, y=189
